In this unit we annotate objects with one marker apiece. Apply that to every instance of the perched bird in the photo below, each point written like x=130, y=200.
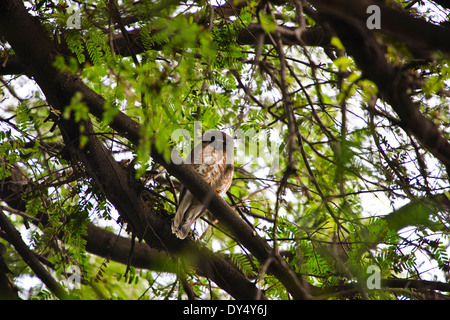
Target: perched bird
x=213, y=160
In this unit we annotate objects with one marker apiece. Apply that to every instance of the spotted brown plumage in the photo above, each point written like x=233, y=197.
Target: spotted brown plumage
x=213, y=160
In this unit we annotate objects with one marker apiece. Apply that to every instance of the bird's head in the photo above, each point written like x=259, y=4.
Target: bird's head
x=218, y=140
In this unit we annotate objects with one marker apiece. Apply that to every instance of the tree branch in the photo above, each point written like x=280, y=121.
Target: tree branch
x=30, y=43
x=30, y=258
x=429, y=288
x=102, y=242
x=393, y=83
x=7, y=290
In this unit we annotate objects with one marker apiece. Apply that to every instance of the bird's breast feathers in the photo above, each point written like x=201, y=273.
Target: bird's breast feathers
x=214, y=169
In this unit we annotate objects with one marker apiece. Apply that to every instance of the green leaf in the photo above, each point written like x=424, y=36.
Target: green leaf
x=267, y=22
x=336, y=42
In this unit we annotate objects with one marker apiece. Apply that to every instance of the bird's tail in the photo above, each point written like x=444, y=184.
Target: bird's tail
x=189, y=210
x=181, y=230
